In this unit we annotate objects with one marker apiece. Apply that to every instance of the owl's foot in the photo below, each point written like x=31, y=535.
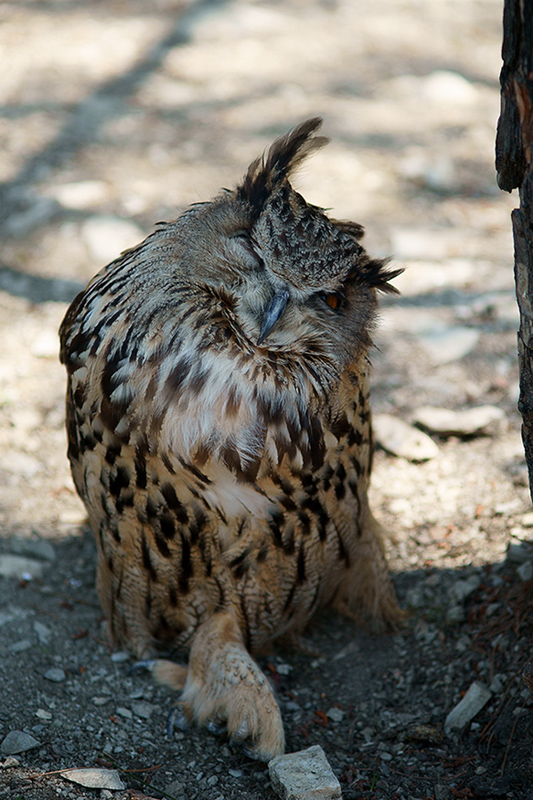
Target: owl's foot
x=225, y=689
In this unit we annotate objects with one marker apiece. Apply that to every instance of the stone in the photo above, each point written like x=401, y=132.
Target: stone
x=527, y=520
x=120, y=657
x=304, y=775
x=18, y=742
x=335, y=714
x=33, y=547
x=519, y=553
x=106, y=237
x=446, y=343
x=477, y=696
x=482, y=420
x=79, y=194
x=525, y=571
x=94, y=778
x=19, y=567
x=142, y=709
x=55, y=674
x=401, y=439
x=464, y=588
x=43, y=633
x=10, y=761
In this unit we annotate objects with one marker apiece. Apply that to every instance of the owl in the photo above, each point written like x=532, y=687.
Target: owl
x=219, y=435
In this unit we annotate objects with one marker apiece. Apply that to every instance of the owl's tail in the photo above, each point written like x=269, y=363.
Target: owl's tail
x=266, y=173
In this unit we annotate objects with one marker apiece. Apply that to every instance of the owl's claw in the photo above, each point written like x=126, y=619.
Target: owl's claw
x=176, y=719
x=147, y=664
x=217, y=727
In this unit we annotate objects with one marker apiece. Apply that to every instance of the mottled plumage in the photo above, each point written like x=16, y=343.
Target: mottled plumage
x=219, y=435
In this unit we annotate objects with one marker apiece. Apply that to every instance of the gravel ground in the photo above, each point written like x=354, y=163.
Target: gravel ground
x=117, y=114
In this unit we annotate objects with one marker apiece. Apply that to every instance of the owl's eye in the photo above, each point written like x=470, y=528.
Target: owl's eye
x=333, y=299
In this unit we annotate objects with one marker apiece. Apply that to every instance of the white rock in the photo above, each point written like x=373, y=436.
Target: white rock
x=46, y=345
x=444, y=86
x=304, y=775
x=43, y=633
x=469, y=422
x=446, y=343
x=94, y=778
x=55, y=674
x=107, y=237
x=401, y=439
x=464, y=712
x=80, y=194
x=527, y=520
x=18, y=742
x=20, y=567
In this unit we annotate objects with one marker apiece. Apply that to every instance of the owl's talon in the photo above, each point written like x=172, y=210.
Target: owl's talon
x=176, y=719
x=217, y=727
x=147, y=664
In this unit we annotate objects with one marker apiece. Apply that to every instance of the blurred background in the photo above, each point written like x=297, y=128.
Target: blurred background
x=115, y=114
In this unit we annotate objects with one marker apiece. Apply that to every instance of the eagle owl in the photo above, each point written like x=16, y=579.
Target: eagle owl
x=219, y=435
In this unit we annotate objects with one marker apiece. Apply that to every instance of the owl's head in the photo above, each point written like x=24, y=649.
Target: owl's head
x=301, y=281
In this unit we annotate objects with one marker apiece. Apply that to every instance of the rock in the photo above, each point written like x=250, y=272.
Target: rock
x=79, y=194
x=18, y=742
x=125, y=713
x=464, y=712
x=519, y=553
x=55, y=674
x=107, y=237
x=446, y=87
x=43, y=633
x=397, y=437
x=120, y=656
x=10, y=761
x=463, y=589
x=527, y=520
x=446, y=343
x=335, y=714
x=525, y=571
x=469, y=422
x=20, y=646
x=304, y=775
x=141, y=709
x=46, y=344
x=34, y=547
x=94, y=778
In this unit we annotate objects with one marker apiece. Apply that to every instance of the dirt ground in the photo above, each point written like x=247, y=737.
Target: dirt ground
x=115, y=114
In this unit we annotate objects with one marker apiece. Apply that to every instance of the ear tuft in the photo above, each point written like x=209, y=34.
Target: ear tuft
x=283, y=157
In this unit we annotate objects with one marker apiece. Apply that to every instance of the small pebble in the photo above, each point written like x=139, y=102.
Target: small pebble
x=397, y=437
x=101, y=701
x=119, y=657
x=335, y=714
x=125, y=713
x=95, y=778
x=10, y=761
x=302, y=775
x=464, y=712
x=55, y=674
x=18, y=742
x=525, y=571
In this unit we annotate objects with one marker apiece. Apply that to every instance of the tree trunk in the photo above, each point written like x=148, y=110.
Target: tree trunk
x=514, y=144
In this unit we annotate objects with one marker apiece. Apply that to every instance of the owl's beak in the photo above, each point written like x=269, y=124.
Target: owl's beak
x=273, y=314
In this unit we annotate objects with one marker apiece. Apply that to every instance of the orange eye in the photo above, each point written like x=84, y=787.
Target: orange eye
x=333, y=301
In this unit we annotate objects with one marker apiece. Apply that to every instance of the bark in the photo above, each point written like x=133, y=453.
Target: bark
x=514, y=148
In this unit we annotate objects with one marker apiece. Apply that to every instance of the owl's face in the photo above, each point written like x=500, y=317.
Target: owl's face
x=296, y=281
